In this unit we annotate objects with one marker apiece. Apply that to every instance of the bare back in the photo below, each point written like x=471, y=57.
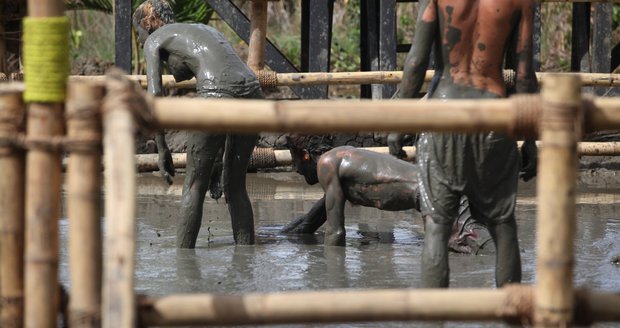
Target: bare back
x=475, y=35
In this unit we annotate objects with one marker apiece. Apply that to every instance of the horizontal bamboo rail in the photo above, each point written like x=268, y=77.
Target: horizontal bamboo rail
x=326, y=116
x=348, y=78
x=404, y=115
x=148, y=162
x=512, y=303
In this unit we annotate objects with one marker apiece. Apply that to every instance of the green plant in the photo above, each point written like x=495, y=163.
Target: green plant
x=346, y=39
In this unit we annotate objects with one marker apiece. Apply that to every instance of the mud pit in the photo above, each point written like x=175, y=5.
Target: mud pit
x=383, y=248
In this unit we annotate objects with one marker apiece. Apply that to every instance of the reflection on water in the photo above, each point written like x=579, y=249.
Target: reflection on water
x=383, y=248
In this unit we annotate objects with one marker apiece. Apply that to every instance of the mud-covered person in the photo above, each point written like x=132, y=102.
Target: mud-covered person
x=472, y=41
x=368, y=179
x=200, y=51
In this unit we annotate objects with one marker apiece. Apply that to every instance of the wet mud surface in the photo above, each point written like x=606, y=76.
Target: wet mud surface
x=383, y=249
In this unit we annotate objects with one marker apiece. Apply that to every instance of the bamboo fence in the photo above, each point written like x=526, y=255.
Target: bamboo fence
x=119, y=308
x=282, y=157
x=12, y=213
x=83, y=204
x=43, y=190
x=555, y=291
x=557, y=175
x=351, y=78
x=514, y=304
x=258, y=34
x=405, y=115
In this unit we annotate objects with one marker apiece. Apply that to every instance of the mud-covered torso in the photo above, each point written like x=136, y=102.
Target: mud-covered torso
x=197, y=50
x=378, y=180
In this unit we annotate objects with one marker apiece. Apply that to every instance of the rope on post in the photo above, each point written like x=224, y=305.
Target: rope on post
x=46, y=58
x=263, y=158
x=518, y=307
x=129, y=94
x=267, y=79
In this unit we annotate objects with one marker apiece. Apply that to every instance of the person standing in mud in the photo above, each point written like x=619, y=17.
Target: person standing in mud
x=200, y=51
x=472, y=40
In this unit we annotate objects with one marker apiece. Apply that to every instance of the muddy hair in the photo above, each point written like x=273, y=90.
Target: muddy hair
x=315, y=144
x=153, y=14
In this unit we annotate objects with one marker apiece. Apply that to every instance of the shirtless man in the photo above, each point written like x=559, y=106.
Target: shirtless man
x=369, y=179
x=200, y=51
x=471, y=41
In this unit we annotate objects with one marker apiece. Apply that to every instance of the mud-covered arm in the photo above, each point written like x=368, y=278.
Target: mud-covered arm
x=527, y=83
x=154, y=87
x=526, y=76
x=418, y=57
x=309, y=222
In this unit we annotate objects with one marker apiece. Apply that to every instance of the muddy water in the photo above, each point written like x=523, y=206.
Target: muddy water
x=383, y=248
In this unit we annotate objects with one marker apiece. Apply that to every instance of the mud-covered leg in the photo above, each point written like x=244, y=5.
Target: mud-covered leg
x=237, y=157
x=309, y=222
x=202, y=150
x=507, y=258
x=435, y=269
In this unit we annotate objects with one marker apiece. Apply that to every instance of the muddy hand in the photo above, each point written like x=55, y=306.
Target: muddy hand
x=215, y=190
x=529, y=160
x=166, y=167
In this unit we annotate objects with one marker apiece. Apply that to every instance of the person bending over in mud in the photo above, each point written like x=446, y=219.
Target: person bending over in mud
x=369, y=179
x=472, y=39
x=200, y=51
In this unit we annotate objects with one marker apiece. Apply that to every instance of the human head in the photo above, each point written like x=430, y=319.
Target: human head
x=151, y=15
x=306, y=151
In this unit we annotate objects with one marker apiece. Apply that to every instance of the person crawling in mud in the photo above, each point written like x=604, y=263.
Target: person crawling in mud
x=200, y=51
x=473, y=40
x=369, y=179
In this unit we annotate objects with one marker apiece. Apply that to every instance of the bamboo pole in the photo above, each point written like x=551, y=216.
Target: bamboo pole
x=557, y=173
x=11, y=211
x=329, y=307
x=602, y=114
x=352, y=78
x=512, y=303
x=118, y=310
x=258, y=35
x=43, y=187
x=148, y=162
x=324, y=116
x=83, y=206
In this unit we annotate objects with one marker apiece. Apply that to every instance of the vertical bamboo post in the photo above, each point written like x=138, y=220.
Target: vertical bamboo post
x=258, y=35
x=11, y=212
x=43, y=172
x=557, y=175
x=119, y=304
x=83, y=205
